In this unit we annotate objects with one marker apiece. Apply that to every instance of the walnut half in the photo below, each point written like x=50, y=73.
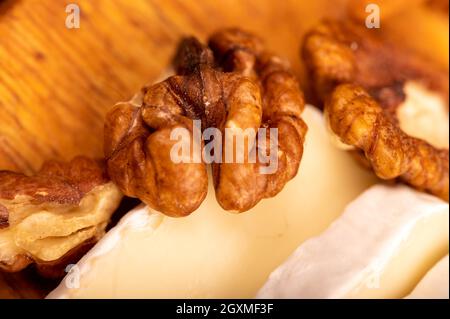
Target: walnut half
x=361, y=122
x=237, y=84
x=48, y=217
x=347, y=52
x=370, y=88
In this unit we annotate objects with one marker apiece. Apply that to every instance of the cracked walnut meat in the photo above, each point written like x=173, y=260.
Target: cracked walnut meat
x=48, y=218
x=377, y=100
x=233, y=83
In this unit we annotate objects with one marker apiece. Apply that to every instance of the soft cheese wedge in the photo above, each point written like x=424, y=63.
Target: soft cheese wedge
x=435, y=284
x=380, y=247
x=213, y=253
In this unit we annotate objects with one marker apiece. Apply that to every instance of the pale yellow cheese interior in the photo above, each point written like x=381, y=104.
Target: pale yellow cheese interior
x=213, y=253
x=380, y=247
x=424, y=115
x=435, y=284
x=425, y=245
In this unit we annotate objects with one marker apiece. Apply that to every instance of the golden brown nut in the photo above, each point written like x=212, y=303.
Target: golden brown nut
x=57, y=269
x=47, y=217
x=344, y=53
x=137, y=133
x=282, y=105
x=360, y=121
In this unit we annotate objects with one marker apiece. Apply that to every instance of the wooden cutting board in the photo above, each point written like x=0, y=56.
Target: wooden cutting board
x=57, y=83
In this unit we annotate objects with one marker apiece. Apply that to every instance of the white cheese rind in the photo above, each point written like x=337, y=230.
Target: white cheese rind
x=213, y=253
x=379, y=248
x=435, y=284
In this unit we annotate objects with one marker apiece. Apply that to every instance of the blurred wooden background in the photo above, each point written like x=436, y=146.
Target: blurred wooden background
x=57, y=83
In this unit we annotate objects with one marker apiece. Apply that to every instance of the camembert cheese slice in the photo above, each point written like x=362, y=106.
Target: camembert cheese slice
x=380, y=247
x=213, y=253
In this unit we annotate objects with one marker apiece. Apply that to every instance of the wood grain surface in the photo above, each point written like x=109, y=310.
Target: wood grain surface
x=57, y=83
